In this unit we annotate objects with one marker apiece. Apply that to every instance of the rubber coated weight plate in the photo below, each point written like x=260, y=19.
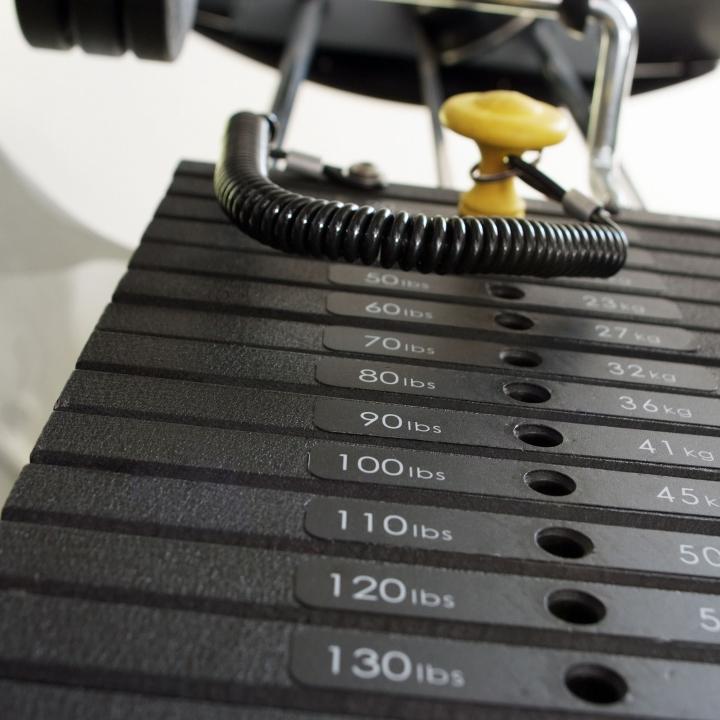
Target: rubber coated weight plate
x=98, y=26
x=156, y=29
x=45, y=23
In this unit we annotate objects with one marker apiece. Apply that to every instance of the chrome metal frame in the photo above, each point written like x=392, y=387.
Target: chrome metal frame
x=613, y=79
x=538, y=8
x=613, y=74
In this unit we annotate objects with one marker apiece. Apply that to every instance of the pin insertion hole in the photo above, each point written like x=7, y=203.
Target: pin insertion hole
x=538, y=435
x=514, y=321
x=576, y=607
x=564, y=543
x=506, y=292
x=527, y=392
x=520, y=358
x=550, y=482
x=596, y=684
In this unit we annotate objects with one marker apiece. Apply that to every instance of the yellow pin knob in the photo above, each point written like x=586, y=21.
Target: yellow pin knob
x=502, y=123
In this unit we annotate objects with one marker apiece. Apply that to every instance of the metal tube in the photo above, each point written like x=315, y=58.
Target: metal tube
x=539, y=8
x=295, y=62
x=494, y=39
x=613, y=79
x=432, y=97
x=567, y=83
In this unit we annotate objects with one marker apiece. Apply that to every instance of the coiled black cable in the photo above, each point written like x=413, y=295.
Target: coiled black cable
x=326, y=228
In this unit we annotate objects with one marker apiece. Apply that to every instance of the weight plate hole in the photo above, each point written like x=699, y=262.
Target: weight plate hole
x=527, y=392
x=538, y=435
x=576, y=607
x=596, y=684
x=514, y=321
x=564, y=543
x=550, y=482
x=520, y=358
x=507, y=292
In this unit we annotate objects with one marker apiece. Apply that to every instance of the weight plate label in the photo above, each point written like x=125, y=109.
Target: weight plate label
x=475, y=475
x=614, y=332
x=516, y=293
x=480, y=430
x=531, y=360
x=480, y=597
x=486, y=388
x=480, y=672
x=512, y=536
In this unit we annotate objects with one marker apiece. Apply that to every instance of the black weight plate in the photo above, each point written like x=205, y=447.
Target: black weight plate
x=45, y=23
x=156, y=29
x=98, y=26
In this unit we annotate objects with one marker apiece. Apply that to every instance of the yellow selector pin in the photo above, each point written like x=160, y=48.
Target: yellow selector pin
x=502, y=123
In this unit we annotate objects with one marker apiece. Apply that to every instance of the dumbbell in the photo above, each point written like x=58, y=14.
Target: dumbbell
x=152, y=29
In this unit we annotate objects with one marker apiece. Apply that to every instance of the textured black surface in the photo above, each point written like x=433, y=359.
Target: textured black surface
x=310, y=305
x=24, y=699
x=223, y=236
x=303, y=336
x=233, y=264
x=702, y=264
x=194, y=576
x=198, y=175
x=307, y=373
x=182, y=494
x=205, y=454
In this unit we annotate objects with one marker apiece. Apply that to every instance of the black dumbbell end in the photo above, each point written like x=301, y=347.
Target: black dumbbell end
x=46, y=23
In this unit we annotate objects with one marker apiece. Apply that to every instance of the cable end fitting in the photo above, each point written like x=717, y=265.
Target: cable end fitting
x=581, y=207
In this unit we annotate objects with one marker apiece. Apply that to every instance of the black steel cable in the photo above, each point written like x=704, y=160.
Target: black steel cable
x=304, y=225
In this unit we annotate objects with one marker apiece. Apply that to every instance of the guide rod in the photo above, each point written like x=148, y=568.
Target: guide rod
x=432, y=96
x=295, y=61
